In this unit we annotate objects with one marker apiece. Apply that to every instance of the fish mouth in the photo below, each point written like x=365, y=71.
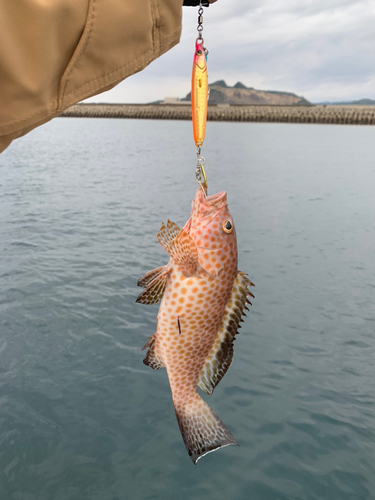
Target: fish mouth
x=214, y=202
x=208, y=207
x=216, y=199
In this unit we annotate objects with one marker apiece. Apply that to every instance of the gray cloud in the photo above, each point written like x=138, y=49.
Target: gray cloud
x=322, y=49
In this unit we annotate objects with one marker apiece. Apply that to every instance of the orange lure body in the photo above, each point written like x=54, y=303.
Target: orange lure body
x=199, y=93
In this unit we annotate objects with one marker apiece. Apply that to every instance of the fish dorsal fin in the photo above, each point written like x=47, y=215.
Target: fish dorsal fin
x=220, y=356
x=155, y=289
x=152, y=358
x=150, y=276
x=181, y=248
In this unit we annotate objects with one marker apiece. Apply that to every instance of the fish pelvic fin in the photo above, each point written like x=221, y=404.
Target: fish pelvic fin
x=150, y=276
x=221, y=354
x=155, y=288
x=181, y=248
x=201, y=429
x=152, y=358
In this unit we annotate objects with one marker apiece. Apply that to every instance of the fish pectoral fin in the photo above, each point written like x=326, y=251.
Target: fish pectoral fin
x=150, y=276
x=152, y=358
x=181, y=248
x=221, y=354
x=155, y=289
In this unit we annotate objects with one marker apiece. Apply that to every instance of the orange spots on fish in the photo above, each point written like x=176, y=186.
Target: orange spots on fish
x=183, y=291
x=181, y=300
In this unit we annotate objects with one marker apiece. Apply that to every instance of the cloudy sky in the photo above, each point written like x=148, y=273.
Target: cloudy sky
x=321, y=49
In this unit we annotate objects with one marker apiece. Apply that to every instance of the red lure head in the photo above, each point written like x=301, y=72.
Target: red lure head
x=200, y=54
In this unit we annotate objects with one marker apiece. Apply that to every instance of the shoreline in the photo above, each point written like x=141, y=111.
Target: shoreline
x=329, y=114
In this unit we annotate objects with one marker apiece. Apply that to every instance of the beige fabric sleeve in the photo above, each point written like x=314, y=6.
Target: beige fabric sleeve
x=56, y=53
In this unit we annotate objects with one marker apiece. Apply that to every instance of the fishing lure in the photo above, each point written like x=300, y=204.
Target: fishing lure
x=199, y=92
x=199, y=99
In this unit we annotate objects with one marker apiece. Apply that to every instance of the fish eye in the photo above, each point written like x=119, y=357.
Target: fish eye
x=227, y=226
x=199, y=52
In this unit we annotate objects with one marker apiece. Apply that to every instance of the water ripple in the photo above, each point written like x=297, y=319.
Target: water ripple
x=81, y=417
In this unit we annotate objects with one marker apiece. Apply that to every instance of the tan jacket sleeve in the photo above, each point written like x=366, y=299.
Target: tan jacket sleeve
x=56, y=53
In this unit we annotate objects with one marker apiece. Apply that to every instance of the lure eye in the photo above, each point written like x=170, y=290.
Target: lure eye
x=228, y=226
x=199, y=52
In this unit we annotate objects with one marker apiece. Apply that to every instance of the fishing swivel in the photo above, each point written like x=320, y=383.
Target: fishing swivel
x=200, y=173
x=200, y=30
x=200, y=22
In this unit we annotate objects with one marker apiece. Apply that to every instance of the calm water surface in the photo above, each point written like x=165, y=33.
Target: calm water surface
x=81, y=417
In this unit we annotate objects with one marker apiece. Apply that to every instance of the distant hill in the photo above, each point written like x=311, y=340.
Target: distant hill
x=220, y=93
x=361, y=102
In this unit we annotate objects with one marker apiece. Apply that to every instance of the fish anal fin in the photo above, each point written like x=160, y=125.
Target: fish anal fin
x=221, y=354
x=155, y=289
x=181, y=248
x=152, y=358
x=150, y=276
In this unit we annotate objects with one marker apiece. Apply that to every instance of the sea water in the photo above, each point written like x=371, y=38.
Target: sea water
x=81, y=417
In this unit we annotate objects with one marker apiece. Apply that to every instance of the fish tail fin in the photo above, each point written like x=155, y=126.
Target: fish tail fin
x=201, y=429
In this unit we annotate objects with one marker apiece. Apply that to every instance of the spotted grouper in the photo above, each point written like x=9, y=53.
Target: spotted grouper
x=203, y=297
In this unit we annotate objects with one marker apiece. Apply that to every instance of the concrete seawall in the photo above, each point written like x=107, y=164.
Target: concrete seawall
x=353, y=115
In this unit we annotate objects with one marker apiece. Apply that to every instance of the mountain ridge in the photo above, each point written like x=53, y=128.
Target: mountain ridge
x=360, y=102
x=221, y=93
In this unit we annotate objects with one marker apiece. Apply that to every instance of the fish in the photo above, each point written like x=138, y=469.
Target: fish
x=199, y=92
x=203, y=298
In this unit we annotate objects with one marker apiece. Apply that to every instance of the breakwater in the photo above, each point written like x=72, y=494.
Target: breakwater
x=353, y=115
